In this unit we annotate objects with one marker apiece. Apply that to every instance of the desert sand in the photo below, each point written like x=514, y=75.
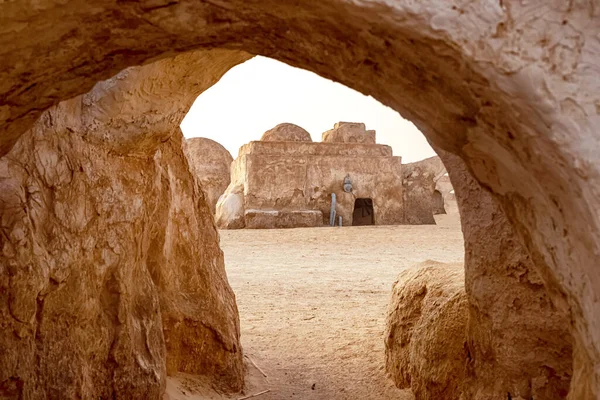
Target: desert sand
x=312, y=305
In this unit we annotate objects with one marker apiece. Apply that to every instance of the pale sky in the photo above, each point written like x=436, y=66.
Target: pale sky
x=257, y=95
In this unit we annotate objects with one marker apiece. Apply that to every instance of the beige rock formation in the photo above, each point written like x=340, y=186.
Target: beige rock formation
x=510, y=87
x=286, y=132
x=519, y=342
x=349, y=132
x=285, y=184
x=425, y=336
x=112, y=275
x=419, y=183
x=210, y=163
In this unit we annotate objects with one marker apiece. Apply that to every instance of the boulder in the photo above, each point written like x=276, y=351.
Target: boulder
x=425, y=334
x=286, y=132
x=210, y=163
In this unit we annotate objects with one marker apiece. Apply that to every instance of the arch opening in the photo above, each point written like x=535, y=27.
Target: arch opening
x=524, y=134
x=363, y=213
x=437, y=201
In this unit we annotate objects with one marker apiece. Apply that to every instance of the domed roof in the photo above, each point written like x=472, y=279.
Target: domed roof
x=205, y=151
x=286, y=132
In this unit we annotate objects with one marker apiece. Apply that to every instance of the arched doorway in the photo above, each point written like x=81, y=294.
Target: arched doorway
x=437, y=203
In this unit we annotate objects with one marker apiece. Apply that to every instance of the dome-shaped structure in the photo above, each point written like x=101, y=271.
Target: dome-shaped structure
x=210, y=162
x=286, y=132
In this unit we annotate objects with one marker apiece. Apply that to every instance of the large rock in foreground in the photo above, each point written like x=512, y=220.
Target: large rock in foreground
x=425, y=333
x=111, y=273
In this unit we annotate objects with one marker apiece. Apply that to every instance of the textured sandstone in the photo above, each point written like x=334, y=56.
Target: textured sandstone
x=419, y=182
x=349, y=132
x=112, y=275
x=286, y=133
x=286, y=184
x=210, y=163
x=425, y=337
x=511, y=87
x=519, y=343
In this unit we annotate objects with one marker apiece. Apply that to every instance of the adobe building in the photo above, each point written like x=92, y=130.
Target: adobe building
x=286, y=180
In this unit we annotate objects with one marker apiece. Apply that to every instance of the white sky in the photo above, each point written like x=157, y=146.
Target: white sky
x=257, y=95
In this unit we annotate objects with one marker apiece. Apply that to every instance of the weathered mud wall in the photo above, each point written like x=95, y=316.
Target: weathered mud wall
x=289, y=184
x=210, y=164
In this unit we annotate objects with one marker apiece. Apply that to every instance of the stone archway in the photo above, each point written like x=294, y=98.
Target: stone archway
x=509, y=88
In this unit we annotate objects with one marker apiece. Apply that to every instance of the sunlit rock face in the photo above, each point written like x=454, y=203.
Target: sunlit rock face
x=112, y=276
x=210, y=163
x=518, y=341
x=510, y=87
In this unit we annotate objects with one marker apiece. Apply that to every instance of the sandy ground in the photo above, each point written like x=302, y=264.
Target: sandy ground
x=312, y=305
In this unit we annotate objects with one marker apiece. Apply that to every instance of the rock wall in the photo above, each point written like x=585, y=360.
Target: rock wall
x=111, y=274
x=519, y=343
x=210, y=163
x=425, y=334
x=418, y=183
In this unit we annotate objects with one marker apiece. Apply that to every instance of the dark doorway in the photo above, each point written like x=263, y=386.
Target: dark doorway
x=363, y=212
x=437, y=203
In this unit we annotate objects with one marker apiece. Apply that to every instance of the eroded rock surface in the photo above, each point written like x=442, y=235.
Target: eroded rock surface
x=425, y=335
x=210, y=163
x=519, y=342
x=111, y=273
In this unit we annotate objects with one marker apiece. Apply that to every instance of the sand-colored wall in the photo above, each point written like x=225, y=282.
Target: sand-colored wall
x=292, y=176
